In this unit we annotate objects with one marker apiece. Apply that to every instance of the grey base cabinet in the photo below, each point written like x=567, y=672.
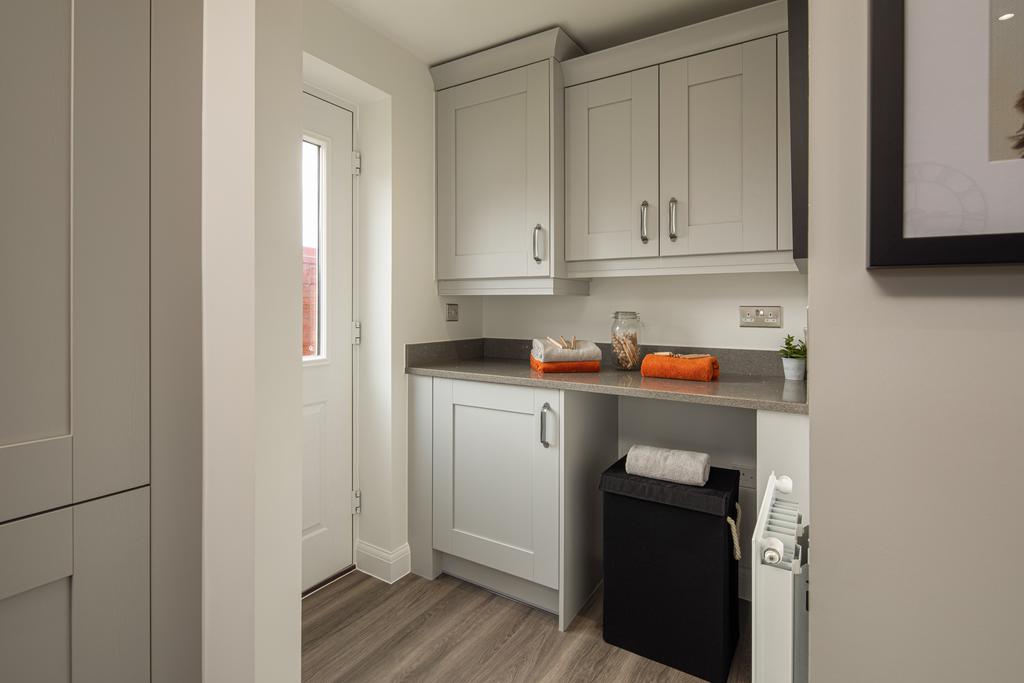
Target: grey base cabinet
x=496, y=461
x=74, y=593
x=503, y=488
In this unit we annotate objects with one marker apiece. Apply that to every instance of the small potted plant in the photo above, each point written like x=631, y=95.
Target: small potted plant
x=794, y=358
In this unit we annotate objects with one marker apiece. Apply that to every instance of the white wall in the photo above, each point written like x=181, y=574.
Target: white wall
x=229, y=343
x=680, y=310
x=251, y=270
x=398, y=300
x=916, y=429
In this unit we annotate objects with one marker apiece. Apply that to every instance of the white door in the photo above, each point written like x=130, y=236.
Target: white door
x=611, y=167
x=496, y=463
x=718, y=151
x=493, y=176
x=326, y=340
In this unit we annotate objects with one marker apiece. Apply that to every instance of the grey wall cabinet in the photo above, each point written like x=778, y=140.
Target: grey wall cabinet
x=75, y=346
x=74, y=593
x=677, y=165
x=500, y=169
x=493, y=166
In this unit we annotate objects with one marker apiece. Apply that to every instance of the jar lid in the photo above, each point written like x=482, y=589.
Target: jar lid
x=626, y=315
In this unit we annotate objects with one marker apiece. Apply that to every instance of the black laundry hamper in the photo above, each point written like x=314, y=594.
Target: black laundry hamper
x=670, y=577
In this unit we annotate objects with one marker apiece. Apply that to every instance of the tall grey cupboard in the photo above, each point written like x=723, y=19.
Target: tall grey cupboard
x=74, y=340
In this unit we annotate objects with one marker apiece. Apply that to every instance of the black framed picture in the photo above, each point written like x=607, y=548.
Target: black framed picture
x=946, y=137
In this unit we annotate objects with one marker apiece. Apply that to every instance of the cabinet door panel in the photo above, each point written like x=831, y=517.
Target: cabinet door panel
x=785, y=151
x=495, y=484
x=718, y=156
x=612, y=166
x=74, y=353
x=75, y=603
x=493, y=174
x=110, y=589
x=35, y=597
x=35, y=634
x=110, y=285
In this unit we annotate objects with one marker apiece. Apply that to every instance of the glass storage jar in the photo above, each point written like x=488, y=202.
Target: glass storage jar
x=626, y=339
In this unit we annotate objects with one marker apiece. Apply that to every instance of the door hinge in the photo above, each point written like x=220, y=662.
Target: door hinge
x=357, y=163
x=357, y=333
x=357, y=502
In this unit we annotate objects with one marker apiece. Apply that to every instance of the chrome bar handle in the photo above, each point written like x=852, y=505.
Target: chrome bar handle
x=537, y=232
x=544, y=425
x=673, y=231
x=643, y=222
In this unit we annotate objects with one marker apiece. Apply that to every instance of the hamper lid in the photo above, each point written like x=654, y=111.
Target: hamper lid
x=714, y=498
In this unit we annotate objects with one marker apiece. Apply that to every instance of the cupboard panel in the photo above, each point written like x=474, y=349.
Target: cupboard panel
x=493, y=175
x=612, y=167
x=490, y=176
x=75, y=604
x=495, y=483
x=36, y=476
x=35, y=243
x=785, y=185
x=110, y=286
x=491, y=477
x=110, y=589
x=719, y=159
x=35, y=634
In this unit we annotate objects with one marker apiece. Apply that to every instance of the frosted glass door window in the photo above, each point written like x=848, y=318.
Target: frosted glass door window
x=312, y=237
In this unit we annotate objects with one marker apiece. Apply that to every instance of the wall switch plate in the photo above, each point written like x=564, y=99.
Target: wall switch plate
x=451, y=313
x=760, y=316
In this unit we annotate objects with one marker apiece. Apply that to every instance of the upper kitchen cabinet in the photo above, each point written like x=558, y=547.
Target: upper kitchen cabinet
x=500, y=170
x=611, y=182
x=718, y=151
x=677, y=151
x=493, y=176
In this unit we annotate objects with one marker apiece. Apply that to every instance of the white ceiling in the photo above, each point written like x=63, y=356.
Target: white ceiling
x=439, y=30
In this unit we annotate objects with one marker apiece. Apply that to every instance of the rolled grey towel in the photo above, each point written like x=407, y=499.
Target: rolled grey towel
x=546, y=352
x=682, y=467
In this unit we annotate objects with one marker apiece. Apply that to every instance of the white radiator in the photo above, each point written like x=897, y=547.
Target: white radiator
x=779, y=600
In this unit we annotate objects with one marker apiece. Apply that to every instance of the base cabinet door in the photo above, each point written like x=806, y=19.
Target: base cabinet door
x=74, y=593
x=718, y=151
x=495, y=481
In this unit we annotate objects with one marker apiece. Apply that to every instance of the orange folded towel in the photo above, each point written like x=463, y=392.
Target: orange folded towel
x=568, y=366
x=698, y=369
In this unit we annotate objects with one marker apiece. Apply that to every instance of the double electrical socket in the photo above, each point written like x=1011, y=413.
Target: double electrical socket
x=760, y=316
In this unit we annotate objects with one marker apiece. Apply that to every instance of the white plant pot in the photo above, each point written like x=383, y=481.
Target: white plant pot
x=794, y=368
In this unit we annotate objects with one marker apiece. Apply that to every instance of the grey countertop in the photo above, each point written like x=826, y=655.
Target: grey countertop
x=754, y=392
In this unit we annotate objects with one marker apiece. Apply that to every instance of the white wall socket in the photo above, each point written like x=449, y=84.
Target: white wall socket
x=748, y=477
x=760, y=316
x=451, y=313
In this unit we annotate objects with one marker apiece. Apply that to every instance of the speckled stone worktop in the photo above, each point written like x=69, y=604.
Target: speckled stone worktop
x=754, y=392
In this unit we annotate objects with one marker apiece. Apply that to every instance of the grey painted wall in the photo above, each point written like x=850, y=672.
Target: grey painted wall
x=917, y=390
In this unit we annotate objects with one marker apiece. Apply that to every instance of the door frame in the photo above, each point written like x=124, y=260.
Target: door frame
x=352, y=108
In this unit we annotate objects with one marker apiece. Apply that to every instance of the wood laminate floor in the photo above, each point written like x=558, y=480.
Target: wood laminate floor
x=361, y=629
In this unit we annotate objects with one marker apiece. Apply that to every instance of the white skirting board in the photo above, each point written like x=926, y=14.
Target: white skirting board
x=388, y=566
